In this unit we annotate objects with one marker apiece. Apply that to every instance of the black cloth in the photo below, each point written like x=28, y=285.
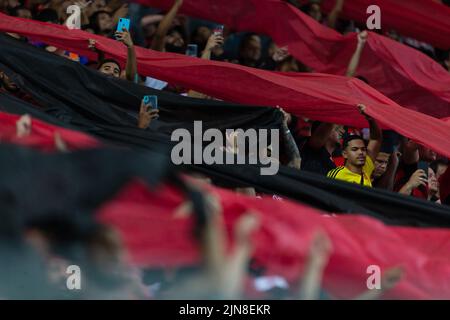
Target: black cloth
x=82, y=99
x=316, y=160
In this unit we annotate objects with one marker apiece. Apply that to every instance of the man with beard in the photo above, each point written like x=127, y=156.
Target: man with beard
x=169, y=39
x=359, y=158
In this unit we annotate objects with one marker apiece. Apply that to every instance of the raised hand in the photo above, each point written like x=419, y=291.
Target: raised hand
x=124, y=37
x=362, y=109
x=92, y=44
x=214, y=41
x=391, y=277
x=280, y=54
x=362, y=37
x=146, y=116
x=60, y=144
x=287, y=118
x=23, y=126
x=419, y=178
x=83, y=4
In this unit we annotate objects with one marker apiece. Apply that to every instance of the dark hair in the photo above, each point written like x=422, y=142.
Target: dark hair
x=93, y=20
x=15, y=11
x=48, y=15
x=351, y=138
x=107, y=61
x=315, y=125
x=178, y=29
x=306, y=7
x=245, y=39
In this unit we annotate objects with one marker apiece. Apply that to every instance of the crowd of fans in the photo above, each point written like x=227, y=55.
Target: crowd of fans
x=369, y=157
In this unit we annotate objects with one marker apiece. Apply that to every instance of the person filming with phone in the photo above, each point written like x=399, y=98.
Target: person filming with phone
x=112, y=67
x=148, y=111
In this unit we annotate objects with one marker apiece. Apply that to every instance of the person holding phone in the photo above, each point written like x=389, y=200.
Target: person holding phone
x=147, y=113
x=412, y=174
x=112, y=67
x=213, y=41
x=124, y=36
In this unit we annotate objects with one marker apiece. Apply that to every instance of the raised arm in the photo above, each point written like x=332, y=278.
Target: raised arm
x=164, y=26
x=317, y=260
x=354, y=62
x=101, y=54
x=290, y=146
x=131, y=67
x=388, y=281
x=376, y=136
x=213, y=41
x=334, y=14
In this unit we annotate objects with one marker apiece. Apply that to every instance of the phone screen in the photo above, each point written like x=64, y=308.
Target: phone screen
x=152, y=101
x=423, y=166
x=192, y=50
x=219, y=30
x=123, y=23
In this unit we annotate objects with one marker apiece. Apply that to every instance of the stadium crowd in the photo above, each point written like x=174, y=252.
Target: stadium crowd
x=369, y=157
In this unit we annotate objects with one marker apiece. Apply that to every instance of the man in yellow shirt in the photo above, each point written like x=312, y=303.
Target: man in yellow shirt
x=359, y=159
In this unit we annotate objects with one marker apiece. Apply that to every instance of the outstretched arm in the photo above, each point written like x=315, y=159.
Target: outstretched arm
x=101, y=54
x=317, y=260
x=388, y=281
x=290, y=146
x=131, y=68
x=213, y=41
x=376, y=136
x=164, y=26
x=354, y=62
x=334, y=14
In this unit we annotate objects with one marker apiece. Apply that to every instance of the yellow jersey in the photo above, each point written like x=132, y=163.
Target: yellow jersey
x=344, y=174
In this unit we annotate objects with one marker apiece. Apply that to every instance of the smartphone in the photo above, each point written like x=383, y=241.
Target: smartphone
x=123, y=23
x=192, y=50
x=218, y=31
x=424, y=166
x=152, y=101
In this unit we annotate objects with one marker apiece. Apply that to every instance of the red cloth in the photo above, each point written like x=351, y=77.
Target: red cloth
x=42, y=135
x=423, y=20
x=315, y=96
x=403, y=74
x=157, y=237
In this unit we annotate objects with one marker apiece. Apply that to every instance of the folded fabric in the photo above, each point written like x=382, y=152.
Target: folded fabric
x=424, y=20
x=403, y=74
